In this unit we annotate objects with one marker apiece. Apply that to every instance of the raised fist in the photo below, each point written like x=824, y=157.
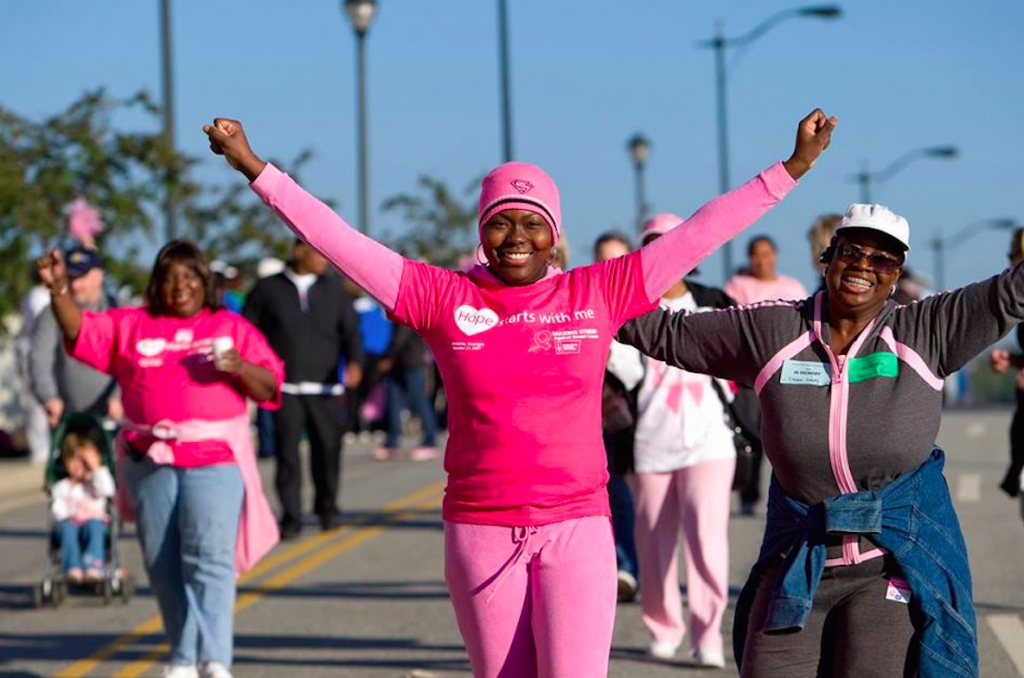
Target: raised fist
x=813, y=136
x=227, y=138
x=52, y=271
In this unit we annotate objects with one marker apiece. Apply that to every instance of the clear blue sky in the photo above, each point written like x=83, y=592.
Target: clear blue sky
x=586, y=75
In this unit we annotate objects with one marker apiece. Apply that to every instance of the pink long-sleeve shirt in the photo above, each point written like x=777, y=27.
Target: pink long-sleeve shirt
x=522, y=365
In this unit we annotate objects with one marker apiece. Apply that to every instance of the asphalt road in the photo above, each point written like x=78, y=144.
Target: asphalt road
x=369, y=600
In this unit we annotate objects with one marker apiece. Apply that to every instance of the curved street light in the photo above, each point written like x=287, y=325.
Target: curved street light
x=360, y=14
x=639, y=148
x=866, y=178
x=719, y=43
x=939, y=244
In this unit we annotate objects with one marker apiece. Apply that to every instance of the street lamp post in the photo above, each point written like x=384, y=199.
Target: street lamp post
x=866, y=178
x=639, y=150
x=506, y=87
x=170, y=213
x=360, y=14
x=939, y=244
x=720, y=43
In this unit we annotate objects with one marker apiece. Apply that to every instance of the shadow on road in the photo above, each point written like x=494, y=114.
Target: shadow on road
x=362, y=590
x=19, y=597
x=403, y=653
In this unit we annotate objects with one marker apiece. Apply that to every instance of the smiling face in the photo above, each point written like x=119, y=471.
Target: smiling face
x=865, y=265
x=182, y=290
x=517, y=244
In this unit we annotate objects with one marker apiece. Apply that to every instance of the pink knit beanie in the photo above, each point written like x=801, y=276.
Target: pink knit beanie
x=520, y=186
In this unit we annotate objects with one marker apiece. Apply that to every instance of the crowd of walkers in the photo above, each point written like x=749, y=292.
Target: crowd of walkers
x=677, y=391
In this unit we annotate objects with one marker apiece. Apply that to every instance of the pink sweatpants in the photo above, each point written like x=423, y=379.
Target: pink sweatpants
x=695, y=500
x=534, y=602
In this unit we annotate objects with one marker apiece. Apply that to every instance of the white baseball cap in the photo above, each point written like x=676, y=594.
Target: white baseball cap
x=877, y=218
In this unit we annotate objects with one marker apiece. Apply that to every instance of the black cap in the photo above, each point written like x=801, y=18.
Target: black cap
x=81, y=260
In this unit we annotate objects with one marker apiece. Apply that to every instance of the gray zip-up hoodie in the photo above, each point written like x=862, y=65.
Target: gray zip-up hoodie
x=840, y=424
x=56, y=375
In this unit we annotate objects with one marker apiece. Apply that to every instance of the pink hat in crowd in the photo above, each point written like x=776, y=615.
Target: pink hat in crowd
x=659, y=224
x=521, y=186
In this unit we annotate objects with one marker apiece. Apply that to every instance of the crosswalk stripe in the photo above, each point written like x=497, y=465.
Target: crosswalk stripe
x=968, y=488
x=1010, y=632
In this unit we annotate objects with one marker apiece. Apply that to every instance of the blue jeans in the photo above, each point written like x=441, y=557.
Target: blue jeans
x=623, y=522
x=412, y=383
x=81, y=546
x=265, y=433
x=187, y=522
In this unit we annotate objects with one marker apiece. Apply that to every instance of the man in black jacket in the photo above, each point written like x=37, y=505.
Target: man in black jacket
x=310, y=322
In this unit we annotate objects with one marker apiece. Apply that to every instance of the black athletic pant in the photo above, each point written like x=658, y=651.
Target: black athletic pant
x=853, y=630
x=320, y=417
x=1011, y=482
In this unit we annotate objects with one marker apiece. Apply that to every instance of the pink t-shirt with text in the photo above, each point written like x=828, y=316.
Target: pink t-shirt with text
x=165, y=369
x=519, y=365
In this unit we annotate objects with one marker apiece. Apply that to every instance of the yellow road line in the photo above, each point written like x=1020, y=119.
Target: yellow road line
x=347, y=538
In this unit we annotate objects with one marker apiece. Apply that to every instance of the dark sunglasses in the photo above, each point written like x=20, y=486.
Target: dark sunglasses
x=877, y=261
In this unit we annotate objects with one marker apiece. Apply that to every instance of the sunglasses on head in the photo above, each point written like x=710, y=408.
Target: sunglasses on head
x=877, y=261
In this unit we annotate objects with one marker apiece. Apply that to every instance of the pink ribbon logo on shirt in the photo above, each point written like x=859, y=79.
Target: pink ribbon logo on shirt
x=475, y=320
x=541, y=341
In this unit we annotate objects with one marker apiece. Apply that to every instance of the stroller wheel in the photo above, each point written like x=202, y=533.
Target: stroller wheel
x=39, y=595
x=57, y=594
x=108, y=591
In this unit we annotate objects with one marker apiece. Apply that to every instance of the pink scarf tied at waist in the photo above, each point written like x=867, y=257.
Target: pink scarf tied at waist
x=257, y=526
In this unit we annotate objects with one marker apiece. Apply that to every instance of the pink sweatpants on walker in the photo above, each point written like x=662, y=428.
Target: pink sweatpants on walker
x=693, y=501
x=534, y=602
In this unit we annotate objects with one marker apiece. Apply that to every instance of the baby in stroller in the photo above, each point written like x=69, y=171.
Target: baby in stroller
x=79, y=510
x=83, y=526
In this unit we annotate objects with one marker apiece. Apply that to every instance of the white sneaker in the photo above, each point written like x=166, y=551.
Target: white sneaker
x=709, y=658
x=663, y=649
x=627, y=587
x=214, y=670
x=179, y=671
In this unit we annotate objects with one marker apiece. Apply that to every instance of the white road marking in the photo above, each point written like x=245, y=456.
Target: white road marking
x=968, y=488
x=976, y=429
x=1010, y=632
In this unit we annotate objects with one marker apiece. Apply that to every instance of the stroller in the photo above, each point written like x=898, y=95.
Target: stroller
x=116, y=581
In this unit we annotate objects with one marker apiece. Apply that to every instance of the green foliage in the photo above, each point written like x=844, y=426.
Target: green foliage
x=125, y=174
x=441, y=229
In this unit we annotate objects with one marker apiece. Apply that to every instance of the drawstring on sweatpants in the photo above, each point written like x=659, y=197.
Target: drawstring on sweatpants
x=521, y=538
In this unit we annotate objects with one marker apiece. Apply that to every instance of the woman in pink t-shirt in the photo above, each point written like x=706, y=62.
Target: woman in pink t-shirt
x=760, y=281
x=185, y=454
x=521, y=346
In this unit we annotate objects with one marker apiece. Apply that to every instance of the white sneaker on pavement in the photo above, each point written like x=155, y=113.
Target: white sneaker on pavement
x=626, y=587
x=709, y=658
x=213, y=670
x=179, y=671
x=663, y=649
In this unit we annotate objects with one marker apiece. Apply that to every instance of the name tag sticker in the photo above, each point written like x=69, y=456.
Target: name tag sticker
x=898, y=590
x=806, y=372
x=873, y=366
